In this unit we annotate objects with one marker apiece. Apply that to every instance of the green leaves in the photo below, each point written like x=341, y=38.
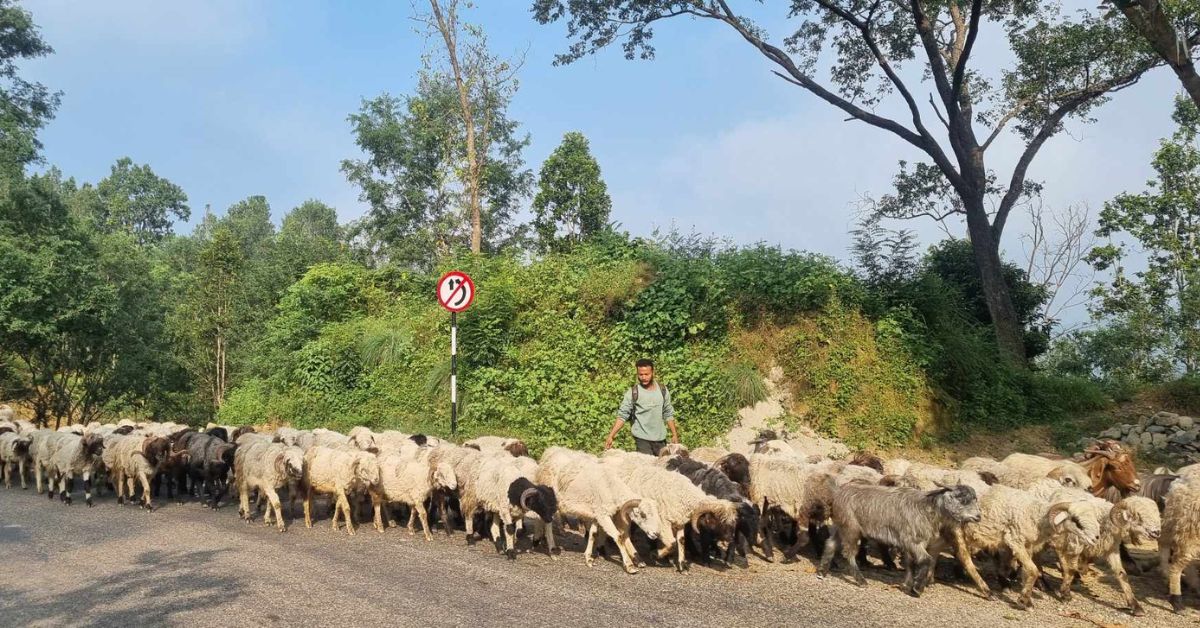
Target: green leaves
x=572, y=202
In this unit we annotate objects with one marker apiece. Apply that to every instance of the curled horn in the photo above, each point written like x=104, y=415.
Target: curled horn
x=713, y=507
x=525, y=495
x=1107, y=453
x=627, y=507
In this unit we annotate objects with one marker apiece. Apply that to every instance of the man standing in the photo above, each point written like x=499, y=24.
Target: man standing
x=647, y=405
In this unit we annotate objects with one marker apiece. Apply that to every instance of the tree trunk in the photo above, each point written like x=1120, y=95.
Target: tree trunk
x=1009, y=335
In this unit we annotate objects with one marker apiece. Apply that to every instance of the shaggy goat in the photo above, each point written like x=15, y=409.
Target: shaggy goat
x=906, y=518
x=1179, y=546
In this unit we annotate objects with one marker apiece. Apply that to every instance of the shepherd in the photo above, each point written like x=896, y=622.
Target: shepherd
x=647, y=405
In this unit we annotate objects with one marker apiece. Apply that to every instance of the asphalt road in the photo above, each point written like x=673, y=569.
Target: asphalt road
x=122, y=566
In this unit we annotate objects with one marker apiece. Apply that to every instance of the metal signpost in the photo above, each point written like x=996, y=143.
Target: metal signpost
x=455, y=292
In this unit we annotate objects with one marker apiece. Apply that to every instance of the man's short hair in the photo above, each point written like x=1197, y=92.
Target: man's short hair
x=645, y=362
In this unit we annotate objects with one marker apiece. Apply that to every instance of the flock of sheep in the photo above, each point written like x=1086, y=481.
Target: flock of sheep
x=702, y=503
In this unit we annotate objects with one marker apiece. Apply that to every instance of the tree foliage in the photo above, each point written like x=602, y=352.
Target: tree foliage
x=25, y=106
x=135, y=200
x=572, y=202
x=1063, y=68
x=1164, y=222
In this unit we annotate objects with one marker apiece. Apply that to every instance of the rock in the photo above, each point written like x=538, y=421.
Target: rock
x=1126, y=428
x=1184, y=438
x=1186, y=422
x=1146, y=439
x=1156, y=429
x=1112, y=432
x=1158, y=440
x=1166, y=419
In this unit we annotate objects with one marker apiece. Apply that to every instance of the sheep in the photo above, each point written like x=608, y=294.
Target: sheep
x=907, y=518
x=708, y=455
x=135, y=458
x=679, y=502
x=43, y=444
x=291, y=436
x=673, y=449
x=1130, y=520
x=497, y=485
x=459, y=459
x=265, y=466
x=736, y=467
x=409, y=478
x=7, y=426
x=1179, y=545
x=14, y=453
x=340, y=471
x=796, y=489
x=211, y=460
x=76, y=455
x=25, y=428
x=514, y=446
x=592, y=493
x=929, y=477
x=1067, y=472
x=6, y=413
x=328, y=438
x=1010, y=525
x=713, y=482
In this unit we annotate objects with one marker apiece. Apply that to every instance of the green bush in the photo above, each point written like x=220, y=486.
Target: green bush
x=1184, y=393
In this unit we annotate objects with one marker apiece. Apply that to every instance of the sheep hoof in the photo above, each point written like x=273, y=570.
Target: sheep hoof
x=512, y=554
x=1176, y=603
x=862, y=582
x=67, y=500
x=591, y=562
x=630, y=569
x=1137, y=611
x=120, y=501
x=555, y=551
x=89, y=502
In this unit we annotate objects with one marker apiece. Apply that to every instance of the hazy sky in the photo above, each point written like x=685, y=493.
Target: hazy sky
x=230, y=98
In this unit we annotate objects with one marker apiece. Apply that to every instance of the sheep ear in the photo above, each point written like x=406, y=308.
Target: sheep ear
x=1061, y=517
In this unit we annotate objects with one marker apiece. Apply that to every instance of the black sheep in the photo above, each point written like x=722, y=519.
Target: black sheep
x=715, y=483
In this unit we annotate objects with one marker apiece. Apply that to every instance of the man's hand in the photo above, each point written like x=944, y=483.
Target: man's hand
x=675, y=438
x=674, y=432
x=608, y=442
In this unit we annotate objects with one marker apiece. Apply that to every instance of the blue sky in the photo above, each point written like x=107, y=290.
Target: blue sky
x=231, y=98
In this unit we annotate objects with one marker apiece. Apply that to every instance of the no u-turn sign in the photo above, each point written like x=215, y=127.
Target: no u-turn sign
x=456, y=291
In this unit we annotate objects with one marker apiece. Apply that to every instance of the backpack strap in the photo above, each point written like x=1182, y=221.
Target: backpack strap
x=633, y=405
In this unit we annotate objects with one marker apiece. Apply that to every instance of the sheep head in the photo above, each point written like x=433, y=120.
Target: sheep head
x=959, y=503
x=1138, y=517
x=536, y=498
x=1074, y=520
x=366, y=469
x=420, y=439
x=715, y=514
x=218, y=432
x=643, y=512
x=156, y=449
x=289, y=463
x=21, y=446
x=1071, y=475
x=93, y=445
x=869, y=460
x=123, y=430
x=363, y=438
x=516, y=447
x=444, y=478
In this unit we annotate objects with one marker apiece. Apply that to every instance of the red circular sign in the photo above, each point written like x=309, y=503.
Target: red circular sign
x=456, y=291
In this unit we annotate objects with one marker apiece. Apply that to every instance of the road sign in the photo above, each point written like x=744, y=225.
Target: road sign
x=456, y=291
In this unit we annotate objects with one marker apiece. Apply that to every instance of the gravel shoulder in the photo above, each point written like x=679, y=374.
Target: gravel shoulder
x=184, y=564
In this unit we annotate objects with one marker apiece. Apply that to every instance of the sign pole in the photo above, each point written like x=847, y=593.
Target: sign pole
x=453, y=372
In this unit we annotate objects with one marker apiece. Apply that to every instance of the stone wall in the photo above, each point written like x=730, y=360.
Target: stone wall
x=1161, y=432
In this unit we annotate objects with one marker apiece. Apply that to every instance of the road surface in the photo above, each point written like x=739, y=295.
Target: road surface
x=187, y=565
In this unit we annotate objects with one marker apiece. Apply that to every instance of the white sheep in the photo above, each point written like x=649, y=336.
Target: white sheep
x=322, y=437
x=14, y=456
x=42, y=446
x=76, y=455
x=498, y=485
x=6, y=413
x=134, y=459
x=487, y=444
x=1031, y=468
x=1179, y=546
x=679, y=503
x=340, y=471
x=797, y=489
x=592, y=493
x=265, y=467
x=1086, y=530
x=408, y=477
x=24, y=427
x=708, y=455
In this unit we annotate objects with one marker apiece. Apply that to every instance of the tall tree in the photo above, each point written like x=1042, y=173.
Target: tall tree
x=1062, y=69
x=134, y=199
x=211, y=309
x=571, y=197
x=309, y=235
x=25, y=106
x=413, y=175
x=1165, y=224
x=479, y=77
x=1173, y=30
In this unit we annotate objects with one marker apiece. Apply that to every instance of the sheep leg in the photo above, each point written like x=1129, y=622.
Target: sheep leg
x=968, y=564
x=37, y=476
x=147, y=495
x=21, y=473
x=849, y=542
x=244, y=501
x=766, y=527
x=87, y=488
x=377, y=505
x=419, y=507
x=552, y=548
x=65, y=482
x=468, y=515
x=510, y=536
x=6, y=471
x=444, y=512
x=274, y=504
x=308, y=506
x=1029, y=573
x=1069, y=568
x=802, y=538
x=610, y=528
x=129, y=488
x=344, y=502
x=495, y=527
x=681, y=564
x=1118, y=569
